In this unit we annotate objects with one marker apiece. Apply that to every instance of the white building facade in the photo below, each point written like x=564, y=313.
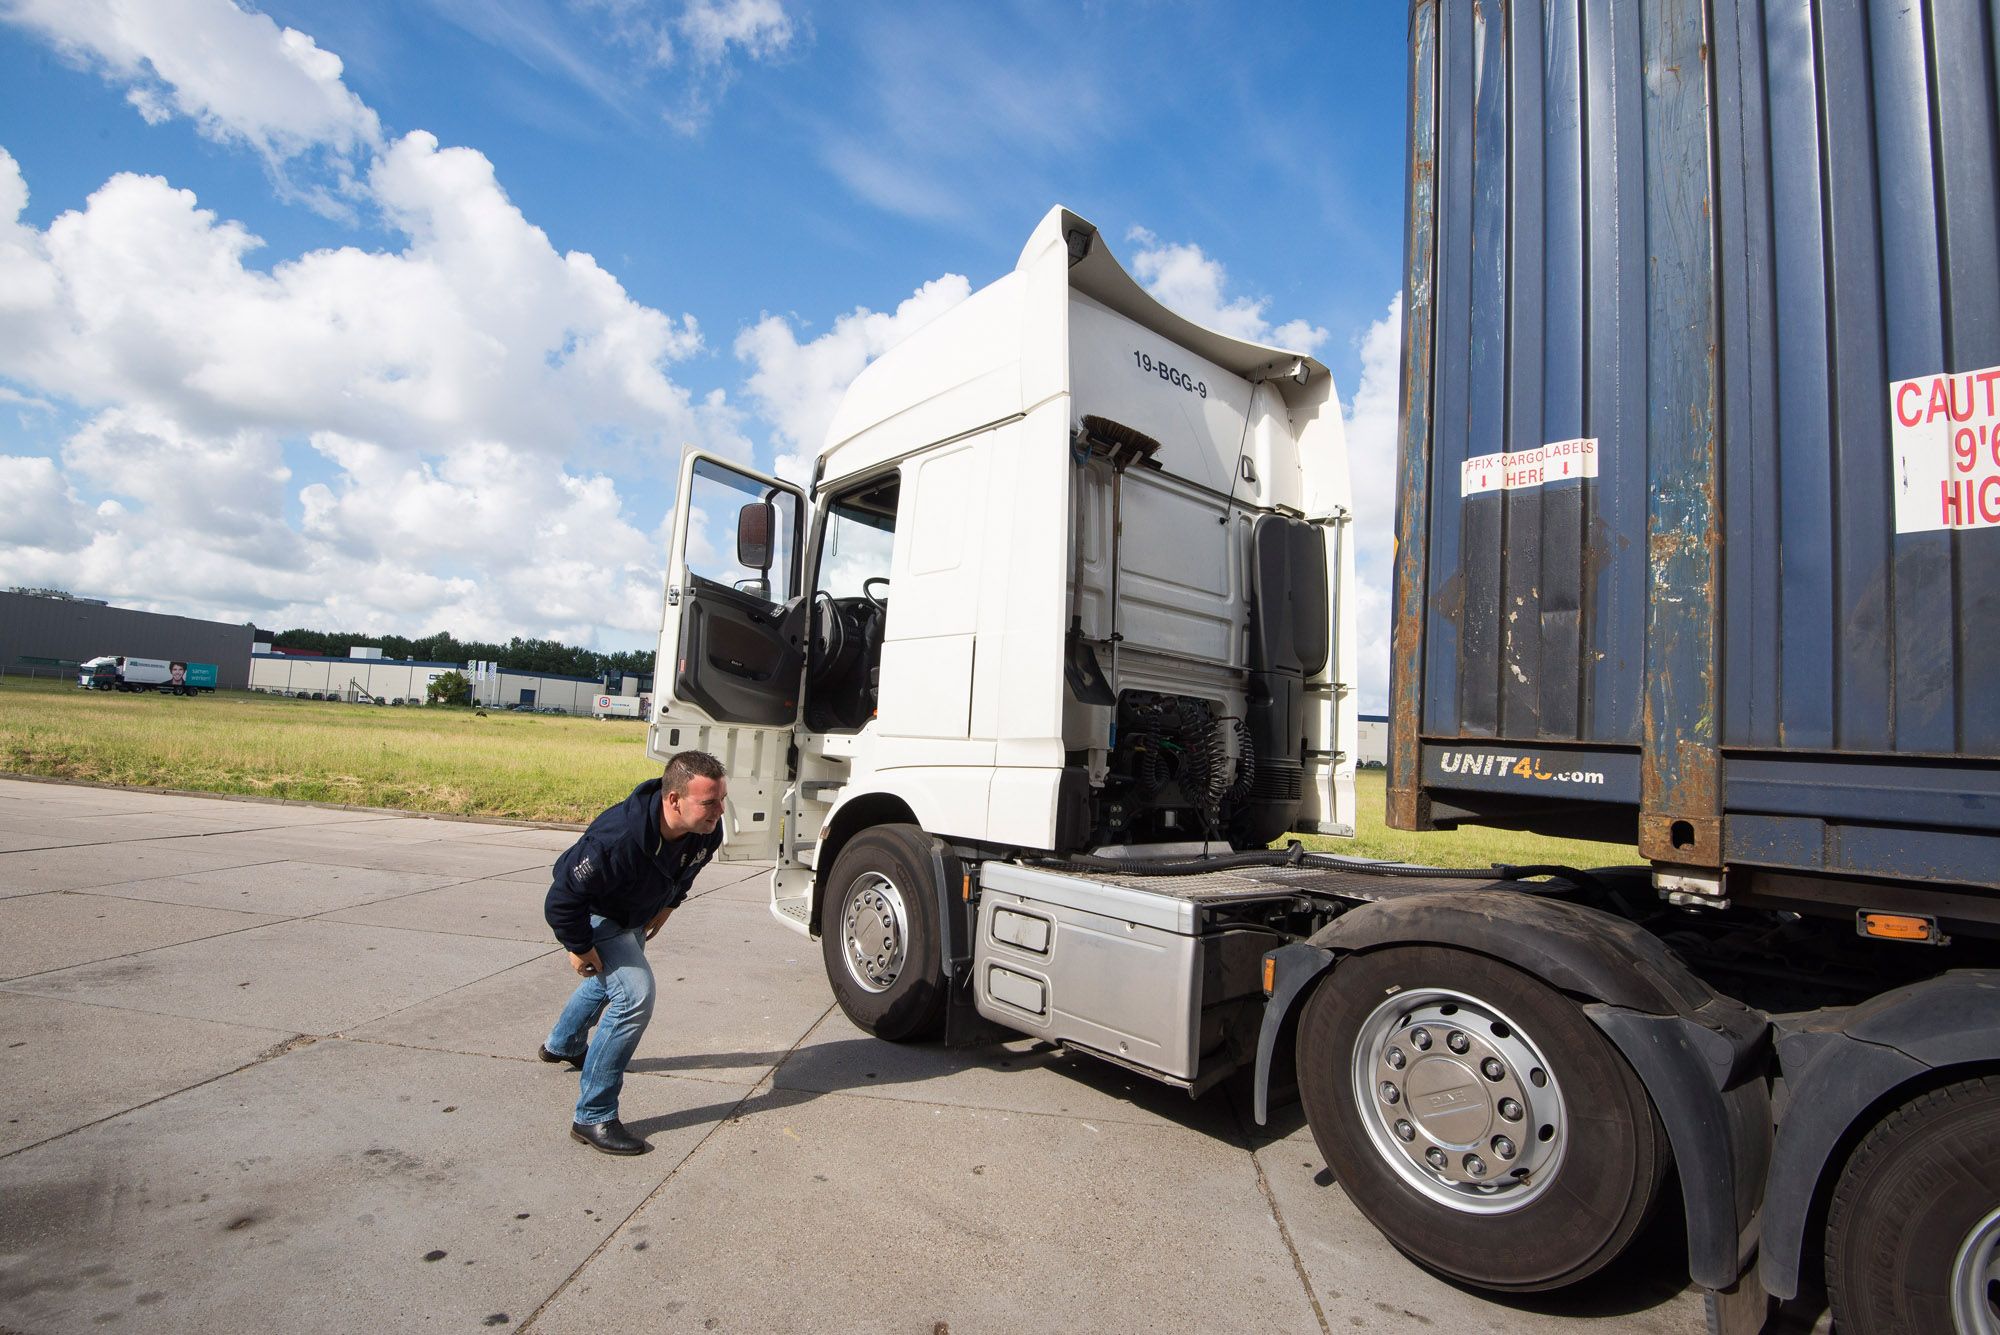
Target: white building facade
x=356, y=679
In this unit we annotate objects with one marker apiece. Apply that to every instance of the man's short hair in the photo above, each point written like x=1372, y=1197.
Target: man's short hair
x=685, y=767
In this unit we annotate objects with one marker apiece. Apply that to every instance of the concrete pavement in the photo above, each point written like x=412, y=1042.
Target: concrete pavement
x=271, y=1068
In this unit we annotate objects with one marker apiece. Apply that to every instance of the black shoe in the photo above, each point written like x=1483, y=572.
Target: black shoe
x=610, y=1137
x=575, y=1063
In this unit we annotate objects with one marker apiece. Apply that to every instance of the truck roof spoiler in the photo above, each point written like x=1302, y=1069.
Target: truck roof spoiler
x=1094, y=272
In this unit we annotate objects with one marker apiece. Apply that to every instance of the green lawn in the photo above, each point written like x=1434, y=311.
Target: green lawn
x=1468, y=846
x=453, y=761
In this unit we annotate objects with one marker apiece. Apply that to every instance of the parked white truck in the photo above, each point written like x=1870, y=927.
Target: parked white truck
x=1063, y=636
x=122, y=672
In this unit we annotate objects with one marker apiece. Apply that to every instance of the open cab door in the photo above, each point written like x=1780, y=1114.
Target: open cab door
x=732, y=641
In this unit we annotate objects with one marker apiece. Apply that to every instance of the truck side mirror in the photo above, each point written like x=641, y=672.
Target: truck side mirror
x=754, y=525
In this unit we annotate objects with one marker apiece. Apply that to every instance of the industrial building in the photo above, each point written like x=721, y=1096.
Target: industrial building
x=366, y=675
x=1371, y=740
x=48, y=635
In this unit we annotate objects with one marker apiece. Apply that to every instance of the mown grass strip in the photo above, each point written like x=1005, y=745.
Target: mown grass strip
x=456, y=762
x=451, y=761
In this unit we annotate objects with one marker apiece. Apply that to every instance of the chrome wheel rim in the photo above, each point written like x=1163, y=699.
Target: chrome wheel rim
x=1458, y=1101
x=874, y=929
x=1975, y=1279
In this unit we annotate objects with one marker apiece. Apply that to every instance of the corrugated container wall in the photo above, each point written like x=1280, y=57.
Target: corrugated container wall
x=1700, y=485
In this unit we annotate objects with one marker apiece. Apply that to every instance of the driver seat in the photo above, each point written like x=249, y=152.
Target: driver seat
x=875, y=622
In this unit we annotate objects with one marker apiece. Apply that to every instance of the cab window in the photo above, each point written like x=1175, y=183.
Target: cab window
x=742, y=534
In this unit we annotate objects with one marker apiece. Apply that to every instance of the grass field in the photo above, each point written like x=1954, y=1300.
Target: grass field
x=453, y=761
x=456, y=762
x=1465, y=847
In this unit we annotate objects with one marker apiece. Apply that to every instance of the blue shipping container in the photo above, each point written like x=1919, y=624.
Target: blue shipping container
x=1699, y=516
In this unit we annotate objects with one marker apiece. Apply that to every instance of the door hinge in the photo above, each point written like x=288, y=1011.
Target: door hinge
x=673, y=596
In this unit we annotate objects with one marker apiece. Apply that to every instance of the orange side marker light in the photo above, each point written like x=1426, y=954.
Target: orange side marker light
x=1899, y=927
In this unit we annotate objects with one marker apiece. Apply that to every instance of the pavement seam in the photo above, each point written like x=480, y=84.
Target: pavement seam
x=135, y=880
x=1157, y=1122
x=1152, y=1120
x=673, y=1172
x=292, y=1044
x=1278, y=1218
x=9, y=984
x=362, y=866
x=411, y=894
x=430, y=931
x=107, y=892
x=111, y=892
x=9, y=988
x=144, y=839
x=273, y=920
x=276, y=920
x=516, y=1057
x=747, y=876
x=425, y=1001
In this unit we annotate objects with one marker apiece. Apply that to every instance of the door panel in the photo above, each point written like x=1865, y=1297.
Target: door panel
x=739, y=658
x=732, y=640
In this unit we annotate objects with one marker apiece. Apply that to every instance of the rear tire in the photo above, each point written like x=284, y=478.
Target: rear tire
x=880, y=936
x=1913, y=1234
x=1477, y=1117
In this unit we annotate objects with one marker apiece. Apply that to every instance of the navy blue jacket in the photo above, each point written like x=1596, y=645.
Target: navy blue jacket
x=624, y=869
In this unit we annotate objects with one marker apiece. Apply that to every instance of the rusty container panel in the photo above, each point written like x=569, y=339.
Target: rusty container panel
x=1861, y=228
x=1701, y=428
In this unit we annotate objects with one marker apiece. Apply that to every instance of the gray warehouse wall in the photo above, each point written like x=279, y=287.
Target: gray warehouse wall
x=34, y=629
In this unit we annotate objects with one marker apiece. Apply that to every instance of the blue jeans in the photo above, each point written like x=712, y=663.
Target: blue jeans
x=619, y=1001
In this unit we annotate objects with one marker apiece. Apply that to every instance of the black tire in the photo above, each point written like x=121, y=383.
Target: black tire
x=886, y=866
x=1599, y=1167
x=1912, y=1198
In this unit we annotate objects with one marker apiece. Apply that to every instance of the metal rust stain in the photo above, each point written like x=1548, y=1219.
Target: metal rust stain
x=1448, y=603
x=1408, y=805
x=1680, y=765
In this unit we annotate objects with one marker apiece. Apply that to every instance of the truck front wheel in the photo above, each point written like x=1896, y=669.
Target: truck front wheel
x=1913, y=1234
x=1477, y=1117
x=880, y=935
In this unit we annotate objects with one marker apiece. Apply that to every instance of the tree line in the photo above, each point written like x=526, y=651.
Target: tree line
x=517, y=655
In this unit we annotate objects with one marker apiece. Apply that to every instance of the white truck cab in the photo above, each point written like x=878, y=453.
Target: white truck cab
x=1073, y=574
x=1062, y=638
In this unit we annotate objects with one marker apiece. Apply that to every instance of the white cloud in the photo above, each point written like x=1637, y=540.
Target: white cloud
x=15, y=397
x=478, y=329
x=490, y=543
x=446, y=383
x=572, y=560
x=37, y=507
x=230, y=489
x=720, y=35
x=1190, y=283
x=1371, y=462
x=237, y=75
x=797, y=386
x=758, y=28
x=891, y=183
x=635, y=56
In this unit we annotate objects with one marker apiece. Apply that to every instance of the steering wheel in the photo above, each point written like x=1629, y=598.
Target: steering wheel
x=833, y=641
x=879, y=601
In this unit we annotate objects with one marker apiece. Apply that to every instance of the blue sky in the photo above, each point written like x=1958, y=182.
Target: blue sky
x=395, y=316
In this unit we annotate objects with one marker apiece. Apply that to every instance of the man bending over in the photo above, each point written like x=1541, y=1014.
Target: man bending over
x=614, y=889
